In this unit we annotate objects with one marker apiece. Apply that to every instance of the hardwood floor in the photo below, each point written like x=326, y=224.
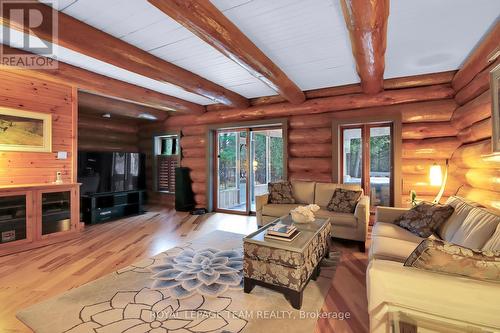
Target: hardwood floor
x=32, y=276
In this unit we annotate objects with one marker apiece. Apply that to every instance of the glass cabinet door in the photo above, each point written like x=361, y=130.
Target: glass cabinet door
x=13, y=219
x=56, y=212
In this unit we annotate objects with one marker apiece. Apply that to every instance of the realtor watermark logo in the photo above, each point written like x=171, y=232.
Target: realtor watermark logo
x=29, y=34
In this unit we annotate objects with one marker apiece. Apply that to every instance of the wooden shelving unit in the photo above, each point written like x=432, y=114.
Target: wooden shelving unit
x=38, y=214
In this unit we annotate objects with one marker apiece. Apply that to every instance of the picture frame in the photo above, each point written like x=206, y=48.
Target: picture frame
x=495, y=109
x=25, y=131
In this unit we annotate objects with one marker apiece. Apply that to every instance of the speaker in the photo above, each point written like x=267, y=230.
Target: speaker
x=184, y=196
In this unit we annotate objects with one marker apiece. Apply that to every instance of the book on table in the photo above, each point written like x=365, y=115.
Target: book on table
x=286, y=238
x=280, y=229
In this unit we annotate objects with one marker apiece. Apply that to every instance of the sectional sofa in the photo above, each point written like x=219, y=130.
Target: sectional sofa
x=449, y=301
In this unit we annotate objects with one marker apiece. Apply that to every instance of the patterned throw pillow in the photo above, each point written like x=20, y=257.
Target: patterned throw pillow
x=343, y=201
x=439, y=256
x=280, y=193
x=423, y=219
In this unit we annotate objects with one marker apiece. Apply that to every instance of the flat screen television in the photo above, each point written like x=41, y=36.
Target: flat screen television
x=103, y=172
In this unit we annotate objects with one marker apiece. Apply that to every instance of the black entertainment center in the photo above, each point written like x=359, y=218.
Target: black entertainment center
x=103, y=207
x=113, y=185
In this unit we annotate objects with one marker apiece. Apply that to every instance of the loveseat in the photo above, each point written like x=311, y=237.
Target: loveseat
x=436, y=297
x=344, y=225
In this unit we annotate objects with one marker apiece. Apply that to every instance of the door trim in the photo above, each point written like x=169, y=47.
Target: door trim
x=211, y=164
x=365, y=157
x=396, y=121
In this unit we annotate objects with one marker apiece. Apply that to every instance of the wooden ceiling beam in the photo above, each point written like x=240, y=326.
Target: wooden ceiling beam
x=104, y=85
x=95, y=104
x=367, y=25
x=204, y=20
x=85, y=39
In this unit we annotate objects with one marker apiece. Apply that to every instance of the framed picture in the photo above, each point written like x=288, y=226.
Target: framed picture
x=495, y=108
x=25, y=131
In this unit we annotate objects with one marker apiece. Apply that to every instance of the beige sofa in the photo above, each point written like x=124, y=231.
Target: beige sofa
x=446, y=299
x=344, y=225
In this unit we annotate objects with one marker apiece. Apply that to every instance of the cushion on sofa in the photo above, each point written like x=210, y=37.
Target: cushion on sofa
x=324, y=192
x=278, y=210
x=462, y=208
x=424, y=218
x=390, y=230
x=344, y=219
x=280, y=193
x=343, y=201
x=493, y=244
x=439, y=256
x=385, y=248
x=477, y=229
x=303, y=192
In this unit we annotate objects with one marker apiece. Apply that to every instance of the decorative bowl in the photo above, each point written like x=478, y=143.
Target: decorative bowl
x=304, y=214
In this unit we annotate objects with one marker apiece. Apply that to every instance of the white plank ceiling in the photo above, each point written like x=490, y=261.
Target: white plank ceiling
x=307, y=39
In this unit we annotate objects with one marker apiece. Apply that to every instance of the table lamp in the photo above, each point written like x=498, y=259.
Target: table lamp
x=437, y=178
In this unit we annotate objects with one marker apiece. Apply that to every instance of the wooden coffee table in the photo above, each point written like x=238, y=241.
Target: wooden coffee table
x=286, y=266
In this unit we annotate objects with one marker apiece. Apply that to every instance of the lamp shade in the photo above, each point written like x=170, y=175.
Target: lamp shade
x=436, y=175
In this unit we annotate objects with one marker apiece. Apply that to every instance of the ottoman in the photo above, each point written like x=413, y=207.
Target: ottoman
x=286, y=266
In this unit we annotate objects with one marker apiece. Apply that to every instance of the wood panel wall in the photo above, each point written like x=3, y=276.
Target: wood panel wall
x=472, y=167
x=426, y=131
x=25, y=93
x=102, y=134
x=427, y=137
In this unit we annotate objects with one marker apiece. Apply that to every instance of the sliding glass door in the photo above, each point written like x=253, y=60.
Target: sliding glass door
x=367, y=160
x=267, y=160
x=237, y=181
x=232, y=170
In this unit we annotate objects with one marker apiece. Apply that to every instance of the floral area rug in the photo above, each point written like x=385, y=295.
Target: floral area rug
x=208, y=272
x=195, y=287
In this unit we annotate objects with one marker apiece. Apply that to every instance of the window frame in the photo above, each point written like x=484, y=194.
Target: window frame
x=393, y=117
x=365, y=155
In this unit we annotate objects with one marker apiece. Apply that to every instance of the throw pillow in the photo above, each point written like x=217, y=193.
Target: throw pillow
x=439, y=256
x=343, y=201
x=423, y=219
x=280, y=193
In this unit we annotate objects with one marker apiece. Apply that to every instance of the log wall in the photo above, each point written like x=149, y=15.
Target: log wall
x=440, y=121
x=193, y=147
x=427, y=136
x=474, y=171
x=102, y=134
x=25, y=93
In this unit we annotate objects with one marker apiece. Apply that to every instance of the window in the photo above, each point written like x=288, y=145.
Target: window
x=167, y=159
x=367, y=160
